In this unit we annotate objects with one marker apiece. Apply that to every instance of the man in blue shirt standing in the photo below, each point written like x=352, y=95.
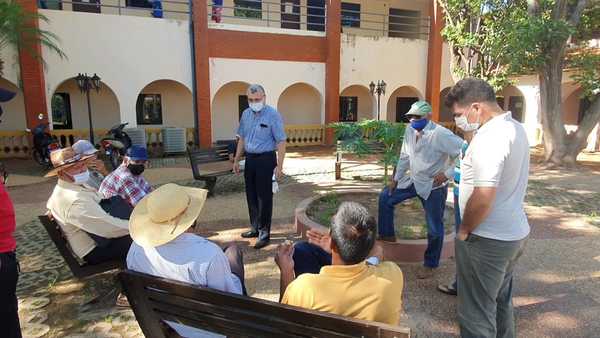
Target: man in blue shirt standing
x=261, y=134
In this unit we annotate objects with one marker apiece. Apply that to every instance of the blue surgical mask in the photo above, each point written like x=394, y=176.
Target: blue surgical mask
x=418, y=125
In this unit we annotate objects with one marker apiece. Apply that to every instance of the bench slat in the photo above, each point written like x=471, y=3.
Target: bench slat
x=154, y=299
x=225, y=312
x=78, y=270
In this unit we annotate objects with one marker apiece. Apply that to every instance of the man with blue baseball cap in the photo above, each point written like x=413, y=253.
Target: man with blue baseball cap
x=127, y=180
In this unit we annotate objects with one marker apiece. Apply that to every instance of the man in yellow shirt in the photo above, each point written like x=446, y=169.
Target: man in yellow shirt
x=350, y=285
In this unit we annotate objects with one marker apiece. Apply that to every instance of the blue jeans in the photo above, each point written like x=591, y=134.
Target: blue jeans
x=434, y=214
x=457, y=222
x=309, y=258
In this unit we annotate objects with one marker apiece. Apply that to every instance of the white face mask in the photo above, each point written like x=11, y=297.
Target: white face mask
x=463, y=123
x=256, y=106
x=82, y=177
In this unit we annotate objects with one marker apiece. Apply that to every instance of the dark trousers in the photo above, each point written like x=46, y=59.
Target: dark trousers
x=236, y=263
x=115, y=248
x=434, y=207
x=9, y=313
x=258, y=174
x=309, y=258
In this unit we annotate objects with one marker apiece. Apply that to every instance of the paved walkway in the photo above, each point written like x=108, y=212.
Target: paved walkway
x=557, y=286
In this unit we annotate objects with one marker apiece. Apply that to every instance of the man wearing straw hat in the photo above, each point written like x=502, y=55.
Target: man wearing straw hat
x=93, y=234
x=163, y=227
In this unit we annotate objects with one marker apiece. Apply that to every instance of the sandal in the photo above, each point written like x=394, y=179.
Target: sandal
x=447, y=289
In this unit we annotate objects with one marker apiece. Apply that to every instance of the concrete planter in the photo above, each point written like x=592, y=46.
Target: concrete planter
x=403, y=251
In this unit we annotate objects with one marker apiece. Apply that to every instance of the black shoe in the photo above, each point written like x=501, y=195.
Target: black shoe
x=250, y=234
x=261, y=243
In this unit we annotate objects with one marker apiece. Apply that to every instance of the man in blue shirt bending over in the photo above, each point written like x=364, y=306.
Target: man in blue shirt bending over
x=261, y=134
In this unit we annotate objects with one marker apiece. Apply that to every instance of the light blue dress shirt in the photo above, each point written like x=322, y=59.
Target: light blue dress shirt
x=261, y=131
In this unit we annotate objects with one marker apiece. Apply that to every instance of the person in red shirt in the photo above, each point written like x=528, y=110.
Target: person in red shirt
x=9, y=271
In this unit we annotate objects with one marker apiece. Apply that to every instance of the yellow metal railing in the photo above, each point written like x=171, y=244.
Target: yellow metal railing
x=299, y=135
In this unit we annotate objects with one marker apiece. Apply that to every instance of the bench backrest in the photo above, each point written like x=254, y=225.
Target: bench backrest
x=155, y=300
x=78, y=270
x=217, y=153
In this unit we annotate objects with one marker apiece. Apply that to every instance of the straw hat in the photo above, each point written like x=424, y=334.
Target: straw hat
x=165, y=213
x=64, y=158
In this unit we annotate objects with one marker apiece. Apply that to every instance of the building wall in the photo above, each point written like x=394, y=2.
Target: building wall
x=176, y=100
x=570, y=104
x=398, y=62
x=404, y=91
x=10, y=72
x=150, y=50
x=374, y=15
x=105, y=106
x=13, y=117
x=225, y=110
x=366, y=103
x=300, y=104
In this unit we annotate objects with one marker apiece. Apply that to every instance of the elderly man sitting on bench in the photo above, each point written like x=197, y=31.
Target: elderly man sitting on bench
x=332, y=273
x=163, y=227
x=92, y=233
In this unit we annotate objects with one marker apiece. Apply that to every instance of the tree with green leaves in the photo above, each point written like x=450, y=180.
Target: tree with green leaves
x=18, y=30
x=499, y=39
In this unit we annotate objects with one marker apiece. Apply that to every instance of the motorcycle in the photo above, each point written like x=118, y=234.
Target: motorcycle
x=115, y=144
x=43, y=144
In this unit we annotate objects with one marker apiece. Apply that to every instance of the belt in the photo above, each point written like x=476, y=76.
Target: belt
x=257, y=155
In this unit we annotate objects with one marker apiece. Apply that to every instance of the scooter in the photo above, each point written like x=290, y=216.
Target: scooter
x=115, y=144
x=43, y=144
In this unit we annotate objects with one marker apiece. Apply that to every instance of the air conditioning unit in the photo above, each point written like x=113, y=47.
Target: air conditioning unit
x=173, y=140
x=137, y=136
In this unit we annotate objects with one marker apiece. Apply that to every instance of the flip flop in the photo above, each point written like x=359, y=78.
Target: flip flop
x=447, y=289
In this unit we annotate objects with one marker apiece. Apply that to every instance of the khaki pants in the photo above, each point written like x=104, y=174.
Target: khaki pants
x=485, y=274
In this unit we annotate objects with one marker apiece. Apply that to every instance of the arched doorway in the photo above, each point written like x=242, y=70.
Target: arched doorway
x=13, y=117
x=400, y=101
x=300, y=103
x=165, y=103
x=356, y=103
x=445, y=112
x=227, y=106
x=70, y=110
x=511, y=99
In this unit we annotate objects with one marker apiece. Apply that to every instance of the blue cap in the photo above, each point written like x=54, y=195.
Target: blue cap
x=137, y=153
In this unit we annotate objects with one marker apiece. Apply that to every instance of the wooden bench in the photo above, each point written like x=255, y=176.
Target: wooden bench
x=201, y=161
x=373, y=148
x=79, y=270
x=155, y=300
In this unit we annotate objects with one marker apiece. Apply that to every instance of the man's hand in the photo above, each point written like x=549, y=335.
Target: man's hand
x=284, y=256
x=278, y=172
x=236, y=166
x=377, y=251
x=392, y=186
x=319, y=239
x=439, y=179
x=98, y=165
x=462, y=235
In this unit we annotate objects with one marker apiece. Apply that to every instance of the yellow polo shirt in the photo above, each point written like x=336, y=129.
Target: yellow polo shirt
x=359, y=291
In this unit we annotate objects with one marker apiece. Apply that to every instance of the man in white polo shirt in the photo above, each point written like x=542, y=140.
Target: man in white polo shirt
x=494, y=226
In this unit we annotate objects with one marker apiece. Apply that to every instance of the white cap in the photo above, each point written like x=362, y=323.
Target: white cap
x=84, y=148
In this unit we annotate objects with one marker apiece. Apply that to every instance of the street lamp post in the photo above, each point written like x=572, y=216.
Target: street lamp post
x=85, y=84
x=378, y=89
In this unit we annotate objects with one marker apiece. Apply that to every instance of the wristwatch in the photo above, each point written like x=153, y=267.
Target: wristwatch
x=373, y=260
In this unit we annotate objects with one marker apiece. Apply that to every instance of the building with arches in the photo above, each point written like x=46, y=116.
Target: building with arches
x=315, y=58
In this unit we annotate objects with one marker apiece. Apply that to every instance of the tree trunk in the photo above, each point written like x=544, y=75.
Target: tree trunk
x=550, y=78
x=578, y=140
